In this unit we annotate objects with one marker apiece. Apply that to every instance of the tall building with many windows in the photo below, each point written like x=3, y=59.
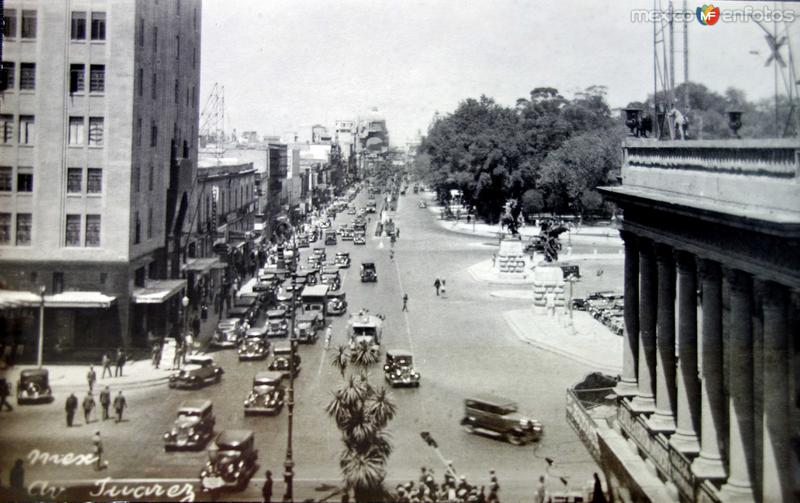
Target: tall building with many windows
x=98, y=118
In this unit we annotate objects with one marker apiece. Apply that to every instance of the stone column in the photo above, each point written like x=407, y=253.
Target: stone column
x=739, y=486
x=685, y=438
x=646, y=374
x=775, y=476
x=709, y=465
x=630, y=354
x=664, y=418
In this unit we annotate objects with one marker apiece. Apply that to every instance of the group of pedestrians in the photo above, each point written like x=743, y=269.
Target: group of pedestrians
x=89, y=404
x=451, y=489
x=440, y=286
x=120, y=359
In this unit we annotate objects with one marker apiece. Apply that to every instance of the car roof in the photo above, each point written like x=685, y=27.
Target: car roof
x=34, y=372
x=336, y=293
x=281, y=348
x=245, y=300
x=307, y=317
x=268, y=376
x=330, y=269
x=229, y=321
x=199, y=358
x=342, y=254
x=276, y=312
x=368, y=263
x=233, y=438
x=399, y=353
x=238, y=310
x=195, y=405
x=490, y=399
x=256, y=332
x=315, y=290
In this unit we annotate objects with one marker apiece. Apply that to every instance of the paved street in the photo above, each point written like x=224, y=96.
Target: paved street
x=462, y=345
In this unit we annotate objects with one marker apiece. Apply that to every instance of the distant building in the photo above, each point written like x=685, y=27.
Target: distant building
x=320, y=135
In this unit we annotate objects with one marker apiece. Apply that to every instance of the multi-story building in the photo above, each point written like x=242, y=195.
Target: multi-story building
x=97, y=158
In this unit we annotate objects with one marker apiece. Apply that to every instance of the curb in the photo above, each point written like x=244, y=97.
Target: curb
x=148, y=383
x=613, y=370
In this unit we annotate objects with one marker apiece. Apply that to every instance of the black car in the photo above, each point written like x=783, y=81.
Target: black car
x=193, y=427
x=368, y=272
x=33, y=386
x=232, y=461
x=499, y=416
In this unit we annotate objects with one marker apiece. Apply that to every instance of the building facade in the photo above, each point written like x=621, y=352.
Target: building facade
x=99, y=114
x=708, y=405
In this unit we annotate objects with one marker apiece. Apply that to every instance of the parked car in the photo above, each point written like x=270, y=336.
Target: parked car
x=276, y=323
x=255, y=345
x=33, y=386
x=193, y=427
x=306, y=326
x=337, y=303
x=199, y=371
x=320, y=253
x=245, y=314
x=399, y=369
x=330, y=238
x=499, y=416
x=229, y=333
x=232, y=461
x=343, y=260
x=368, y=272
x=281, y=363
x=331, y=277
x=267, y=394
x=359, y=238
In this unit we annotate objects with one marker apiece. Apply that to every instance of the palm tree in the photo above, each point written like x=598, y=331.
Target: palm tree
x=364, y=355
x=340, y=359
x=380, y=407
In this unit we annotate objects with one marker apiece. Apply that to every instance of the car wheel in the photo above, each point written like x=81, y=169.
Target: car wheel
x=514, y=439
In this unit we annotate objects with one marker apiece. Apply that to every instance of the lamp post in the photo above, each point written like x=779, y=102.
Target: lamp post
x=288, y=464
x=185, y=304
x=40, y=349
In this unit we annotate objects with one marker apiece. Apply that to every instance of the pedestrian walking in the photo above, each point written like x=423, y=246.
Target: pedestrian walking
x=120, y=404
x=5, y=392
x=176, y=360
x=494, y=259
x=106, y=361
x=541, y=492
x=266, y=490
x=120, y=362
x=91, y=378
x=203, y=311
x=16, y=477
x=328, y=335
x=405, y=302
x=598, y=496
x=437, y=284
x=442, y=288
x=70, y=408
x=97, y=443
x=88, y=407
x=105, y=401
x=156, y=355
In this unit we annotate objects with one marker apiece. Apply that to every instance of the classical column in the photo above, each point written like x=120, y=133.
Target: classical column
x=630, y=345
x=645, y=397
x=739, y=486
x=775, y=477
x=685, y=438
x=664, y=418
x=709, y=465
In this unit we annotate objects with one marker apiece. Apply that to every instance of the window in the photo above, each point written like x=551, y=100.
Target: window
x=29, y=24
x=58, y=282
x=25, y=182
x=151, y=178
x=6, y=128
x=78, y=31
x=9, y=23
x=194, y=58
x=193, y=100
x=74, y=180
x=24, y=227
x=138, y=131
x=177, y=91
x=27, y=129
x=5, y=228
x=194, y=18
x=96, y=131
x=94, y=181
x=155, y=39
x=6, y=177
x=98, y=25
x=140, y=81
x=149, y=223
x=97, y=78
x=154, y=89
x=153, y=134
x=73, y=231
x=27, y=76
x=136, y=179
x=76, y=78
x=177, y=46
x=6, y=75
x=76, y=133
x=137, y=229
x=92, y=230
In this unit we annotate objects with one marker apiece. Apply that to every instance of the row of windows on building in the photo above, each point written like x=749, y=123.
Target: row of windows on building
x=27, y=77
x=78, y=25
x=24, y=179
x=75, y=180
x=137, y=226
x=26, y=28
x=26, y=129
x=77, y=131
x=236, y=198
x=77, y=78
x=137, y=179
x=74, y=234
x=9, y=77
x=189, y=97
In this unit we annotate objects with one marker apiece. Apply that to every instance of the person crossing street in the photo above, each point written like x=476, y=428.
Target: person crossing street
x=328, y=335
x=105, y=401
x=437, y=284
x=70, y=408
x=107, y=365
x=405, y=302
x=91, y=378
x=88, y=407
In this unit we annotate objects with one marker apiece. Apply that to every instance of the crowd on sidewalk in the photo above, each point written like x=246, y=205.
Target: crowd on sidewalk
x=452, y=488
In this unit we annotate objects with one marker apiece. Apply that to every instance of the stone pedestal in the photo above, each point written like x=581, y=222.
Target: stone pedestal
x=548, y=279
x=510, y=261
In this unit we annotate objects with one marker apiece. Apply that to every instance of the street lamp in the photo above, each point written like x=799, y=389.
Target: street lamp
x=40, y=349
x=185, y=304
x=288, y=464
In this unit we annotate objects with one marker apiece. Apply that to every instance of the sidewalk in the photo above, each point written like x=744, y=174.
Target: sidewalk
x=591, y=343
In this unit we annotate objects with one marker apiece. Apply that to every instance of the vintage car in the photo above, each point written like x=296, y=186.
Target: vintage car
x=368, y=272
x=343, y=260
x=302, y=241
x=245, y=314
x=276, y=323
x=331, y=277
x=325, y=224
x=365, y=328
x=229, y=333
x=284, y=300
x=399, y=368
x=351, y=210
x=360, y=238
x=198, y=371
x=267, y=394
x=193, y=427
x=264, y=286
x=255, y=345
x=320, y=253
x=330, y=238
x=306, y=326
x=346, y=234
x=498, y=416
x=280, y=362
x=232, y=461
x=33, y=386
x=337, y=303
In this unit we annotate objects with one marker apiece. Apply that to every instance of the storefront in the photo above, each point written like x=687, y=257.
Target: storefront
x=156, y=308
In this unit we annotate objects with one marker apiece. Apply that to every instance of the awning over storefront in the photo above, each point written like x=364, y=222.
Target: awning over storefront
x=219, y=265
x=96, y=300
x=238, y=245
x=158, y=291
x=10, y=299
x=201, y=265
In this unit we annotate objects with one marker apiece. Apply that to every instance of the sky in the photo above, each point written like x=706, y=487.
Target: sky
x=288, y=64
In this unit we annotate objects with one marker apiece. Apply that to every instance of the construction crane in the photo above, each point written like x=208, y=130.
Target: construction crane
x=212, y=122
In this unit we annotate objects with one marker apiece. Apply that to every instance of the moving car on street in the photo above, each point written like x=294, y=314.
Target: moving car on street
x=498, y=416
x=193, y=427
x=330, y=237
x=365, y=327
x=282, y=353
x=331, y=277
x=399, y=368
x=337, y=303
x=343, y=260
x=276, y=323
x=267, y=394
x=306, y=326
x=359, y=238
x=33, y=386
x=229, y=333
x=232, y=461
x=199, y=371
x=255, y=345
x=368, y=272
